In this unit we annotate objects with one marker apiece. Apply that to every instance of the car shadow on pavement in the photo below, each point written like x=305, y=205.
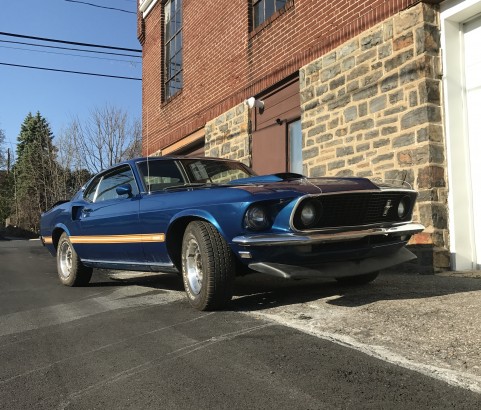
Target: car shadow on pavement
x=162, y=281
x=259, y=293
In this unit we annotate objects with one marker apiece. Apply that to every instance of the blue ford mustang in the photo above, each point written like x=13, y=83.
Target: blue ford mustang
x=211, y=219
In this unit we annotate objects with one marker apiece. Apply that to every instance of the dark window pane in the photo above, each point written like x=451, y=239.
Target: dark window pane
x=178, y=60
x=258, y=13
x=280, y=4
x=167, y=51
x=270, y=8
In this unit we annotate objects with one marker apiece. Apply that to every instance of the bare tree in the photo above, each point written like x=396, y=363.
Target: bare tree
x=106, y=138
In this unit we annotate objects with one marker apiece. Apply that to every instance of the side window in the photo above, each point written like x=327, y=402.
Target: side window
x=104, y=188
x=158, y=175
x=91, y=190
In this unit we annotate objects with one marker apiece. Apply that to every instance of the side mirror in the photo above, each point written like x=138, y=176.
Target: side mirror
x=124, y=190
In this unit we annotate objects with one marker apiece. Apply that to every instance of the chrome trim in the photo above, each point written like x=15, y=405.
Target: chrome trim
x=298, y=239
x=128, y=263
x=245, y=255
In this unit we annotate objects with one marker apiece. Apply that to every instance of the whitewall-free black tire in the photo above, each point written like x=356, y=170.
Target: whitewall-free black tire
x=208, y=267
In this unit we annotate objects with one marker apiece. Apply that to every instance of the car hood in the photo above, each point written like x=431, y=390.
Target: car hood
x=299, y=183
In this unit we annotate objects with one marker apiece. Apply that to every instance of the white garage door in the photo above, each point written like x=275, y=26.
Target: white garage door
x=472, y=42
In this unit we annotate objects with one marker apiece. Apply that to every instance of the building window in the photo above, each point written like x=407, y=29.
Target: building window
x=172, y=47
x=263, y=9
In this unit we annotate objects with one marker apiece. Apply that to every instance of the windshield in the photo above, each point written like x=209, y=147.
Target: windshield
x=215, y=171
x=158, y=175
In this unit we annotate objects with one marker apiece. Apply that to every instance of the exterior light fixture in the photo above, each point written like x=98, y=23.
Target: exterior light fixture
x=252, y=102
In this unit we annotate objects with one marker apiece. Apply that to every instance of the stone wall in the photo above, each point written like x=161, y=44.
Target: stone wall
x=372, y=107
x=228, y=136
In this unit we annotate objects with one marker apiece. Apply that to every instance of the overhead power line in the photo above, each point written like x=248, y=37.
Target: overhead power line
x=69, y=48
x=71, y=72
x=101, y=7
x=133, y=50
x=72, y=55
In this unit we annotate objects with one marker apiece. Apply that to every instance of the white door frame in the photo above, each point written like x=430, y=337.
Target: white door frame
x=461, y=224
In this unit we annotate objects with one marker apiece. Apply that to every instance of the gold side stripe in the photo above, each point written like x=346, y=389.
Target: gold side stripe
x=152, y=237
x=47, y=240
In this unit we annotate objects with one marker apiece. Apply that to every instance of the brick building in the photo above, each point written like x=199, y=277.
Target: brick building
x=376, y=88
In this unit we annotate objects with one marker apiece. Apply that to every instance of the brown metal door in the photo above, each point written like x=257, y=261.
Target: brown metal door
x=269, y=136
x=269, y=150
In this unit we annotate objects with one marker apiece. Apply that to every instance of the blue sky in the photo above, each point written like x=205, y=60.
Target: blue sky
x=60, y=96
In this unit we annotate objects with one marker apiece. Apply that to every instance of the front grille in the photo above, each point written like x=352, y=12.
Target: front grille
x=355, y=209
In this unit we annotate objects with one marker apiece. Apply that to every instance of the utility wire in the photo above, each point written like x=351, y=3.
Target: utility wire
x=101, y=7
x=71, y=72
x=69, y=48
x=69, y=42
x=71, y=55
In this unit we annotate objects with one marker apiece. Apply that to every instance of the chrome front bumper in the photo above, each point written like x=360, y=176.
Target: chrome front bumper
x=324, y=237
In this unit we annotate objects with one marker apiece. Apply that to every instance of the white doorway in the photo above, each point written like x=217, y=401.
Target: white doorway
x=461, y=37
x=472, y=68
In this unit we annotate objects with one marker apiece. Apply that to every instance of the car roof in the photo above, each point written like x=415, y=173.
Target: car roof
x=133, y=161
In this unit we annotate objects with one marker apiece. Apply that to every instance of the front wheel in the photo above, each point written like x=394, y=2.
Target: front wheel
x=71, y=270
x=358, y=280
x=208, y=267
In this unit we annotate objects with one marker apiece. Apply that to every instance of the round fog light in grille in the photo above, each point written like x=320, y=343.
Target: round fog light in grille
x=403, y=207
x=256, y=218
x=310, y=213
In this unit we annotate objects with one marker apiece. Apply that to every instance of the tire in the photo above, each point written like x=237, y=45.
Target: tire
x=208, y=267
x=358, y=280
x=71, y=271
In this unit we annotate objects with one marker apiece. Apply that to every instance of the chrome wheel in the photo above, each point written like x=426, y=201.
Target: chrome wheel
x=208, y=266
x=65, y=259
x=193, y=266
x=71, y=271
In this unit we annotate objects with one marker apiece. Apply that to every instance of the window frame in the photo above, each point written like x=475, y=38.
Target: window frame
x=169, y=76
x=276, y=9
x=97, y=180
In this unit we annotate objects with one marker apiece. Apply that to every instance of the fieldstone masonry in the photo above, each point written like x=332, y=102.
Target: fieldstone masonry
x=372, y=107
x=228, y=136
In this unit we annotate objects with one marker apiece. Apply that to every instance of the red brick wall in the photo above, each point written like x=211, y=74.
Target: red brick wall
x=224, y=63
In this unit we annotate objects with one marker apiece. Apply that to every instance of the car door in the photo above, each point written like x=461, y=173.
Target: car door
x=158, y=206
x=109, y=222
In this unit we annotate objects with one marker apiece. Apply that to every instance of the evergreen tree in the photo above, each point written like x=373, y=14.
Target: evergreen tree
x=6, y=183
x=35, y=171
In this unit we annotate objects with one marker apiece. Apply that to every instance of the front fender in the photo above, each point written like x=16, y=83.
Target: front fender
x=197, y=214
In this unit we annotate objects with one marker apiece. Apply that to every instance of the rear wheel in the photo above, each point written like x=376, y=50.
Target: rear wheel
x=358, y=280
x=208, y=267
x=71, y=271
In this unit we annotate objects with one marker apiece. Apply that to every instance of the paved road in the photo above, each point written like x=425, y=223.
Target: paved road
x=137, y=344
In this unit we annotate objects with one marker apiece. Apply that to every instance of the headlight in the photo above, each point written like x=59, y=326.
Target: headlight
x=310, y=213
x=256, y=218
x=403, y=207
